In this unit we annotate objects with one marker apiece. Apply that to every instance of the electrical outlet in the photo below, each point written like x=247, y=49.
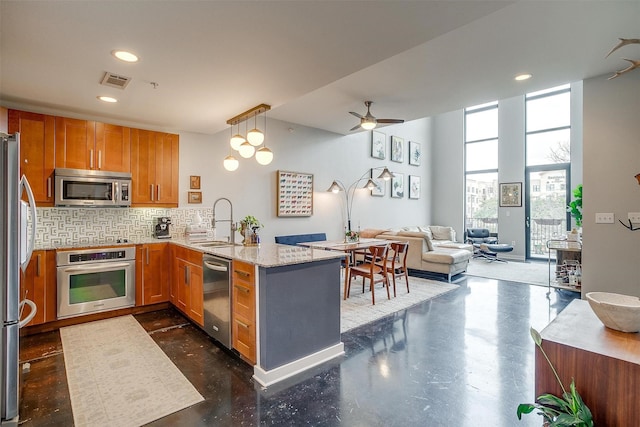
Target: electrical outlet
x=513, y=243
x=634, y=217
x=605, y=218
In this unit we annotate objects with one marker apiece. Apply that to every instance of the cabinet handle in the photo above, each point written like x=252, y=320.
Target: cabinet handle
x=186, y=275
x=242, y=288
x=242, y=273
x=38, y=265
x=49, y=187
x=147, y=255
x=244, y=325
x=99, y=159
x=151, y=188
x=158, y=192
x=90, y=159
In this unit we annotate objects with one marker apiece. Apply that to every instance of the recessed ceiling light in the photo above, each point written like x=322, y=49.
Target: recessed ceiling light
x=107, y=99
x=125, y=56
x=523, y=76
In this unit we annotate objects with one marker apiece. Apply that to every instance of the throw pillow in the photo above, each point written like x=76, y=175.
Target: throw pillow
x=369, y=233
x=426, y=230
x=417, y=234
x=412, y=228
x=442, y=233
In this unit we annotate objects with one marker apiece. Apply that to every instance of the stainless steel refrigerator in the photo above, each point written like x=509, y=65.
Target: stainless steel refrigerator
x=15, y=253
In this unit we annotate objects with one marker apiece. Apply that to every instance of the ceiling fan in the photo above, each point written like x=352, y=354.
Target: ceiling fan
x=368, y=121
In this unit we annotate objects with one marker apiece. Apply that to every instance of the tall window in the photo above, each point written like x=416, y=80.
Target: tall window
x=481, y=166
x=548, y=159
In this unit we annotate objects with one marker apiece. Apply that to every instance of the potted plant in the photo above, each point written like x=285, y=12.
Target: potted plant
x=249, y=226
x=575, y=207
x=569, y=410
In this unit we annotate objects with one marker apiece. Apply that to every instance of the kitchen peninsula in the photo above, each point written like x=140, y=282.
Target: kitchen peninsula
x=296, y=292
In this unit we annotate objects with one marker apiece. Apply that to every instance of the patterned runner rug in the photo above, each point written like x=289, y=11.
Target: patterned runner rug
x=357, y=310
x=118, y=376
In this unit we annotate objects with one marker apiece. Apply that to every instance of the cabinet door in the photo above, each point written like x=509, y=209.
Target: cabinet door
x=167, y=147
x=113, y=148
x=243, y=324
x=38, y=283
x=156, y=274
x=37, y=149
x=195, y=289
x=75, y=144
x=180, y=294
x=143, y=167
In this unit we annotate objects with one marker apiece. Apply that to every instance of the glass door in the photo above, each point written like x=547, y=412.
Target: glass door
x=547, y=197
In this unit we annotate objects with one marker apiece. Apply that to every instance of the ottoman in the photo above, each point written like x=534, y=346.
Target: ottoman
x=490, y=251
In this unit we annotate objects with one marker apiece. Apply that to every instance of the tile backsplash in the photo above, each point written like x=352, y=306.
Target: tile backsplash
x=68, y=226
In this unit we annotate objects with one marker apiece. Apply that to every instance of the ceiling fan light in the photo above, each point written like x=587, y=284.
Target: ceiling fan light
x=367, y=125
x=236, y=141
x=246, y=150
x=255, y=137
x=264, y=156
x=231, y=163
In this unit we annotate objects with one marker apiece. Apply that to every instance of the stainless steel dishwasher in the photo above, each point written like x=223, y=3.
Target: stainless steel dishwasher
x=217, y=298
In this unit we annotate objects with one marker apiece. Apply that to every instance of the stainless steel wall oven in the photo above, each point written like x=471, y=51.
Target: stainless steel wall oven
x=95, y=280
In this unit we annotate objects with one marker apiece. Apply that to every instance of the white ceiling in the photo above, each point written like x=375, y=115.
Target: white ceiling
x=313, y=61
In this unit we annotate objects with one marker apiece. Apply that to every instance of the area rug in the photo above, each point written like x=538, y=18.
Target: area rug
x=357, y=310
x=118, y=376
x=533, y=273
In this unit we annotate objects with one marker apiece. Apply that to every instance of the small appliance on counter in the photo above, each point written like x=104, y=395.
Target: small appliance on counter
x=162, y=228
x=196, y=231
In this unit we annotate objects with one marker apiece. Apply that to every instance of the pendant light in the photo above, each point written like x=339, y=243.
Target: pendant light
x=246, y=150
x=264, y=156
x=231, y=163
x=254, y=136
x=237, y=139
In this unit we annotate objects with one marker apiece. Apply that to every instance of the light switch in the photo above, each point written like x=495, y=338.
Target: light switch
x=604, y=218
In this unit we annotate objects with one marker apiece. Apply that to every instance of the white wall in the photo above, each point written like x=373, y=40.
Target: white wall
x=611, y=259
x=328, y=156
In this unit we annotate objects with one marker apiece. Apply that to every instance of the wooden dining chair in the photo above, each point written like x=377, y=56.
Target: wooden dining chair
x=372, y=270
x=396, y=262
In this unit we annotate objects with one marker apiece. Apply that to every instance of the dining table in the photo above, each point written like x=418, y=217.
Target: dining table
x=349, y=248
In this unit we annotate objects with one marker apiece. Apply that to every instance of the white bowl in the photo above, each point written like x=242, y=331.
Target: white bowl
x=616, y=311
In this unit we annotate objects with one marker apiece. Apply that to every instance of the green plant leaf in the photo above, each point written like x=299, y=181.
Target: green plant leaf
x=525, y=408
x=536, y=336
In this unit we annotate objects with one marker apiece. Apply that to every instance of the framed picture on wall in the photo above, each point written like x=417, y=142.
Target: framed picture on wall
x=511, y=194
x=295, y=193
x=397, y=185
x=378, y=144
x=397, y=149
x=194, y=197
x=414, y=187
x=415, y=153
x=380, y=186
x=194, y=182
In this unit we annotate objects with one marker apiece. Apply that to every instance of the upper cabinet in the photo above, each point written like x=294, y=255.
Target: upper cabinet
x=84, y=144
x=37, y=145
x=154, y=168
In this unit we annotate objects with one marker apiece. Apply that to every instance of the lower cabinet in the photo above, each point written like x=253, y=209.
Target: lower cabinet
x=243, y=313
x=153, y=273
x=186, y=286
x=38, y=283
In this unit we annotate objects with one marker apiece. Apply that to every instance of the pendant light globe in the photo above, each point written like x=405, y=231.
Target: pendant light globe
x=264, y=156
x=255, y=137
x=246, y=150
x=231, y=163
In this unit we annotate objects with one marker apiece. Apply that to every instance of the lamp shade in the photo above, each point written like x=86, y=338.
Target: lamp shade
x=236, y=141
x=246, y=150
x=386, y=174
x=264, y=156
x=255, y=137
x=231, y=163
x=370, y=185
x=335, y=187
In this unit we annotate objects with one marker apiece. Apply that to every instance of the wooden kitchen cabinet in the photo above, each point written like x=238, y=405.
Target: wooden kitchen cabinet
x=37, y=149
x=84, y=144
x=186, y=286
x=153, y=273
x=243, y=312
x=38, y=283
x=154, y=168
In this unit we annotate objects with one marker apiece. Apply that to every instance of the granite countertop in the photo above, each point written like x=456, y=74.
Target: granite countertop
x=265, y=255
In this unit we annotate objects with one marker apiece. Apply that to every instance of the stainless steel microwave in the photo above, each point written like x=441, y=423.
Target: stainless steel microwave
x=92, y=188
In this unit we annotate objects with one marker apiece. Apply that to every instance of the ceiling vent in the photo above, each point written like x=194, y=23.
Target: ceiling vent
x=115, y=80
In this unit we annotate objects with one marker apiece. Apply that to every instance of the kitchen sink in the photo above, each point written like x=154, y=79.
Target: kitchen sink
x=214, y=244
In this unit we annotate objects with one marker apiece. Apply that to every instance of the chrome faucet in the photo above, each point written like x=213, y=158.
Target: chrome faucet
x=232, y=225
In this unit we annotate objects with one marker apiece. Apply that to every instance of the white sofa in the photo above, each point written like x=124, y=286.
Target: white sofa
x=432, y=248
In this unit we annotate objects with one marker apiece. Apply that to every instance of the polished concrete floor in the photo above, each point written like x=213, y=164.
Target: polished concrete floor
x=462, y=359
